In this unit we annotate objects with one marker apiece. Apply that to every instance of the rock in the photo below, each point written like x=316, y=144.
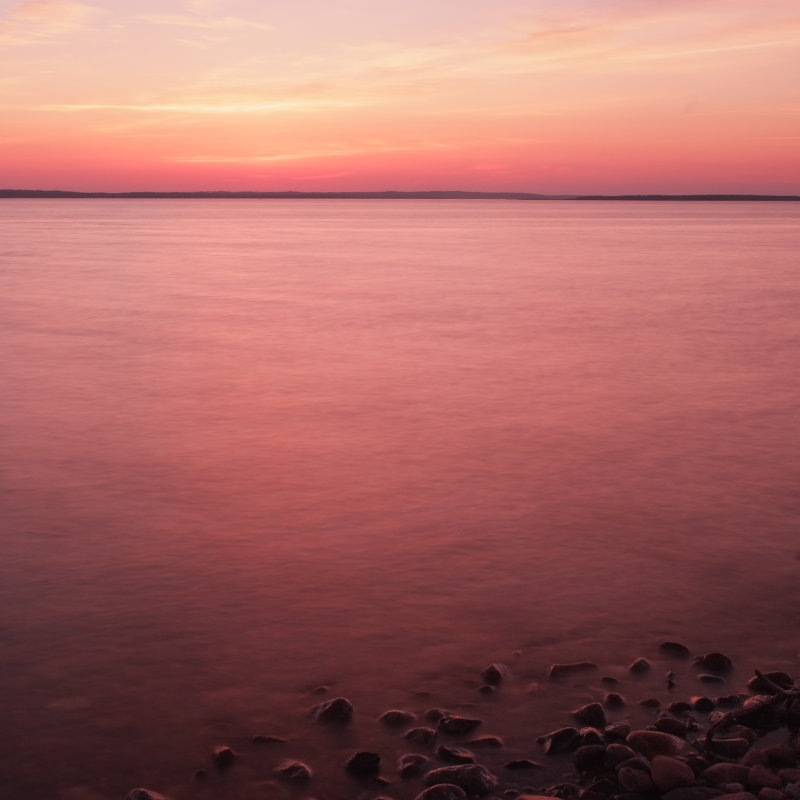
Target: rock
x=457, y=725
x=635, y=780
x=674, y=650
x=655, y=743
x=668, y=724
x=561, y=741
x=472, y=778
x=781, y=679
x=395, y=718
x=144, y=794
x=726, y=773
x=294, y=771
x=617, y=730
x=670, y=773
x=452, y=754
x=564, y=670
x=616, y=754
x=709, y=677
x=591, y=714
x=728, y=701
x=223, y=757
x=522, y=763
x=771, y=794
x=714, y=662
x=487, y=688
x=729, y=748
x=412, y=764
x=338, y=710
x=738, y=796
x=639, y=667
x=779, y=755
x=605, y=787
x=486, y=741
x=435, y=714
x=443, y=791
x=790, y=775
x=420, y=735
x=679, y=707
x=609, y=680
x=494, y=674
x=755, y=713
x=793, y=790
x=614, y=700
x=260, y=738
x=761, y=777
x=705, y=705
x=363, y=763
x=650, y=702
x=590, y=759
x=591, y=736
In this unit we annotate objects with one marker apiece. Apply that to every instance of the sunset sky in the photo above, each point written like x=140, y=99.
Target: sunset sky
x=552, y=96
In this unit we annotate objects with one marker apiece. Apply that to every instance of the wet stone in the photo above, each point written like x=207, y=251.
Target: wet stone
x=591, y=714
x=494, y=674
x=562, y=740
x=670, y=773
x=614, y=700
x=674, y=650
x=679, y=707
x=779, y=755
x=486, y=741
x=605, y=787
x=363, y=763
x=761, y=777
x=771, y=794
x=395, y=718
x=223, y=757
x=692, y=793
x=616, y=754
x=338, y=710
x=710, y=677
x=617, y=730
x=635, y=780
x=590, y=759
x=435, y=714
x=609, y=680
x=420, y=735
x=714, y=662
x=144, y=794
x=729, y=748
x=650, y=702
x=639, y=667
x=294, y=771
x=487, y=688
x=411, y=765
x=443, y=791
x=575, y=668
x=705, y=705
x=655, y=743
x=738, y=796
x=726, y=773
x=452, y=754
x=261, y=738
x=781, y=679
x=472, y=778
x=457, y=725
x=522, y=763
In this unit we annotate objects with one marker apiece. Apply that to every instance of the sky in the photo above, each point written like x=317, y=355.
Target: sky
x=545, y=96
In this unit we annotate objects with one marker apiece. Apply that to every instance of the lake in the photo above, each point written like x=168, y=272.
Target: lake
x=259, y=453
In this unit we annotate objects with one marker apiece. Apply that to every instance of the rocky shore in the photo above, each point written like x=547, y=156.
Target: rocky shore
x=740, y=745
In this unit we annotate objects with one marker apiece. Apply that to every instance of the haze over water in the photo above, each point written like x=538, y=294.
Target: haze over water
x=253, y=447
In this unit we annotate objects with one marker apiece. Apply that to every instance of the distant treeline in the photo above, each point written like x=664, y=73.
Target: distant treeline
x=432, y=195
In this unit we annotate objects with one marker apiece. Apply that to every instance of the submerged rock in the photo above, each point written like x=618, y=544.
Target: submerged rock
x=395, y=718
x=294, y=771
x=576, y=668
x=363, y=763
x=472, y=778
x=670, y=773
x=562, y=740
x=781, y=679
x=639, y=667
x=144, y=794
x=457, y=725
x=614, y=701
x=655, y=743
x=717, y=663
x=674, y=650
x=223, y=757
x=494, y=674
x=522, y=763
x=443, y=791
x=412, y=764
x=420, y=735
x=338, y=710
x=591, y=714
x=453, y=754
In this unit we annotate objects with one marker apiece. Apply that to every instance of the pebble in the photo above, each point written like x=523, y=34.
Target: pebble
x=618, y=730
x=614, y=700
x=710, y=677
x=726, y=773
x=655, y=743
x=522, y=763
x=494, y=674
x=674, y=650
x=635, y=780
x=144, y=794
x=616, y=754
x=223, y=757
x=761, y=777
x=363, y=763
x=457, y=725
x=781, y=679
x=443, y=791
x=670, y=773
x=294, y=771
x=453, y=754
x=338, y=710
x=561, y=741
x=472, y=778
x=412, y=764
x=591, y=714
x=771, y=794
x=779, y=755
x=396, y=718
x=563, y=670
x=705, y=705
x=420, y=735
x=729, y=748
x=590, y=759
x=639, y=667
x=714, y=662
x=591, y=736
x=692, y=793
x=486, y=741
x=260, y=738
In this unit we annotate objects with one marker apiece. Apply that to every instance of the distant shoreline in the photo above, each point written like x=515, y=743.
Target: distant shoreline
x=57, y=194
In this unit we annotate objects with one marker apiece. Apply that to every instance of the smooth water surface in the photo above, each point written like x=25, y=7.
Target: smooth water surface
x=248, y=448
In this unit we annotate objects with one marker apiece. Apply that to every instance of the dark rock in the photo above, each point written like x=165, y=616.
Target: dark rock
x=639, y=667
x=738, y=796
x=655, y=743
x=790, y=775
x=591, y=736
x=605, y=787
x=494, y=674
x=576, y=668
x=616, y=754
x=671, y=725
x=294, y=771
x=709, y=677
x=338, y=710
x=608, y=680
x=591, y=714
x=443, y=791
x=590, y=759
x=761, y=777
x=561, y=741
x=260, y=738
x=692, y=793
x=771, y=794
x=411, y=765
x=522, y=763
x=755, y=757
x=452, y=754
x=486, y=741
x=780, y=755
x=396, y=718
x=670, y=773
x=755, y=713
x=637, y=762
x=420, y=735
x=728, y=701
x=472, y=778
x=726, y=773
x=729, y=748
x=714, y=662
x=650, y=702
x=781, y=679
x=144, y=794
x=435, y=714
x=457, y=725
x=617, y=730
x=223, y=757
x=635, y=780
x=674, y=650
x=363, y=763
x=679, y=707
x=487, y=688
x=704, y=705
x=614, y=701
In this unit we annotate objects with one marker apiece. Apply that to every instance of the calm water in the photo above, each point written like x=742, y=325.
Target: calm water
x=248, y=448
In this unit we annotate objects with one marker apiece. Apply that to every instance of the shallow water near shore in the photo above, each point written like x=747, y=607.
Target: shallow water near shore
x=252, y=448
